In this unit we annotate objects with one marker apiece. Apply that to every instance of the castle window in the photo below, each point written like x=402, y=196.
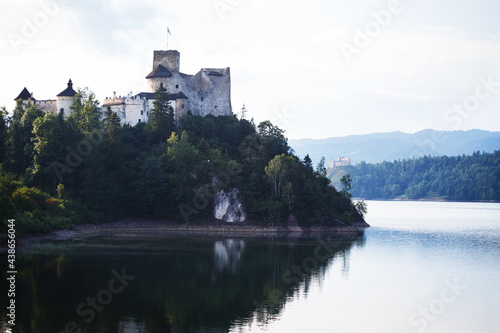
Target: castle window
x=139, y=120
x=176, y=86
x=62, y=111
x=202, y=99
x=142, y=112
x=182, y=106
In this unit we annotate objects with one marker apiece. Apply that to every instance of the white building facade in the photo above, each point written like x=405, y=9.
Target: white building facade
x=59, y=105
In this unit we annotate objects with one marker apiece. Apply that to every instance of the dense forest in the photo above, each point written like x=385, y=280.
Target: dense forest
x=86, y=168
x=461, y=178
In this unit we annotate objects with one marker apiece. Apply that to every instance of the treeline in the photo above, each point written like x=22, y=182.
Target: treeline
x=57, y=171
x=460, y=178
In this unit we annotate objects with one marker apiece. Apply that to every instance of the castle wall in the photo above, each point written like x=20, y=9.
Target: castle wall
x=210, y=94
x=207, y=94
x=47, y=105
x=173, y=84
x=180, y=108
x=133, y=109
x=130, y=110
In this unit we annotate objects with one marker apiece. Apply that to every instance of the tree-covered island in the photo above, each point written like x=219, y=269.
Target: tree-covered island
x=56, y=172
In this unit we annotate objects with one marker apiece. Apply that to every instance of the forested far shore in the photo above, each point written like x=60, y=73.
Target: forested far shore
x=473, y=177
x=58, y=171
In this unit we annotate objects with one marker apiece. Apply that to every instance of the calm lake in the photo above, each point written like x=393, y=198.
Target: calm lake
x=422, y=267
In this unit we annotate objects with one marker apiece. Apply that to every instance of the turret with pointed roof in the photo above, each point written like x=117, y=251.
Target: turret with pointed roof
x=65, y=99
x=25, y=95
x=68, y=92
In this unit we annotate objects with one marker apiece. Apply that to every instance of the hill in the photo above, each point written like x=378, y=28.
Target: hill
x=461, y=178
x=379, y=147
x=86, y=168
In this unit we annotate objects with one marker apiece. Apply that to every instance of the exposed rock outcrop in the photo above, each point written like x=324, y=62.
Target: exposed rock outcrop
x=228, y=207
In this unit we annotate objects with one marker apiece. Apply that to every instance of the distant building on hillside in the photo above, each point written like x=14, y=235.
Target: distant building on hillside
x=342, y=161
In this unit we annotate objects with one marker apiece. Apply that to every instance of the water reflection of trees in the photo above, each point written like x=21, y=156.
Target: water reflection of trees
x=181, y=284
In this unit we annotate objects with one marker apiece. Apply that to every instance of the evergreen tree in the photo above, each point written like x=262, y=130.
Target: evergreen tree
x=273, y=138
x=48, y=148
x=3, y=133
x=321, y=168
x=85, y=112
x=474, y=177
x=19, y=145
x=308, y=163
x=113, y=140
x=161, y=120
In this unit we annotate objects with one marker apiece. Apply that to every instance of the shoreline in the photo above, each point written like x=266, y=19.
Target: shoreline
x=428, y=200
x=129, y=227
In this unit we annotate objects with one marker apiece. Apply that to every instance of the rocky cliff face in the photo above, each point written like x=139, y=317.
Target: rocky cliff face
x=228, y=207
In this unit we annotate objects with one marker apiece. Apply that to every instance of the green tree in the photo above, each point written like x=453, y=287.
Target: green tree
x=181, y=153
x=161, y=120
x=273, y=138
x=113, y=140
x=277, y=170
x=85, y=112
x=346, y=185
x=3, y=133
x=8, y=185
x=19, y=145
x=321, y=168
x=308, y=163
x=48, y=148
x=361, y=208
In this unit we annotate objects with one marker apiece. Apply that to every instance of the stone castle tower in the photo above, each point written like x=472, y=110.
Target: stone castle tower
x=207, y=92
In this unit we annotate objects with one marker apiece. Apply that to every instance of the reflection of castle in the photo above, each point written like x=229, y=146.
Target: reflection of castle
x=342, y=161
x=207, y=92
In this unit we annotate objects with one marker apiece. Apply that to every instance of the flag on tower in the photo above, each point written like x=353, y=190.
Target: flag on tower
x=168, y=30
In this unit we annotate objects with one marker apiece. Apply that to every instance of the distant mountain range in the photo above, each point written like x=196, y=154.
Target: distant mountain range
x=379, y=147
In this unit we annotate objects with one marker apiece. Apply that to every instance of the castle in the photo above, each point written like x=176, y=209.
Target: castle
x=342, y=161
x=59, y=105
x=207, y=92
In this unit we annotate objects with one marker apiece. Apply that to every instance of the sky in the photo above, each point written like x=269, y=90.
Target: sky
x=315, y=68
